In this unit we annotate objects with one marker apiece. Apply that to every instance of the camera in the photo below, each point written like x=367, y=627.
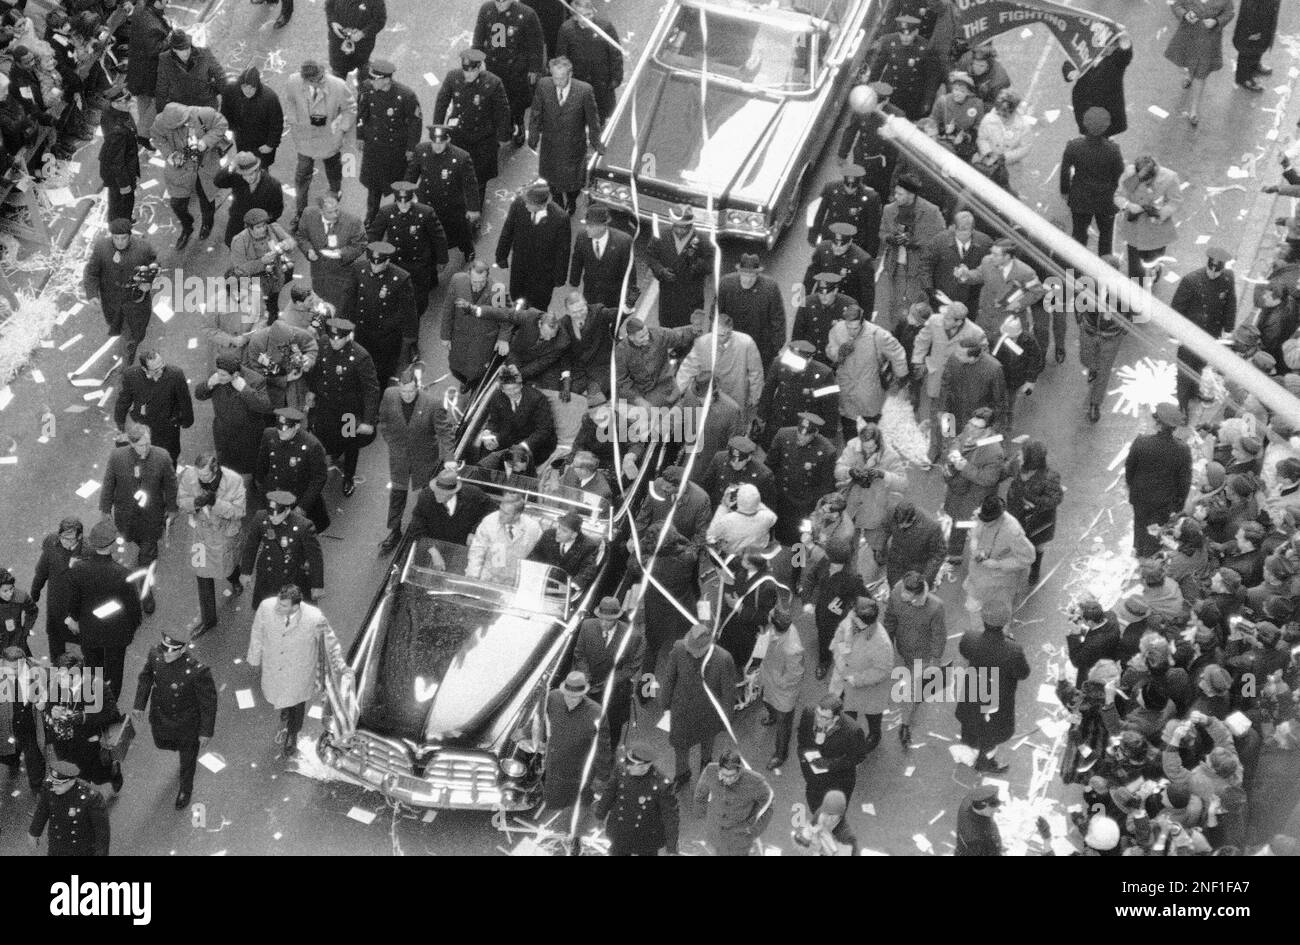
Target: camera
x=317, y=121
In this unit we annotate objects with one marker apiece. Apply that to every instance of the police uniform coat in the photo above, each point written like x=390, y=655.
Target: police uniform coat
x=803, y=475
x=537, y=254
x=415, y=447
x=814, y=318
x=369, y=16
x=107, y=277
x=419, y=239
x=639, y=811
x=991, y=649
x=148, y=38
x=389, y=123
x=382, y=306
x=78, y=820
x=514, y=45
x=444, y=181
x=719, y=475
x=788, y=393
x=289, y=655
x=860, y=207
x=479, y=115
x=238, y=419
x=856, y=269
x=335, y=102
x=345, y=385
x=276, y=555
x=331, y=277
x=88, y=586
x=298, y=465
x=216, y=526
x=181, y=698
x=566, y=132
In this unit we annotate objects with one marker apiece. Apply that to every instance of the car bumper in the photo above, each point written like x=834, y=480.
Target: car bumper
x=721, y=223
x=451, y=780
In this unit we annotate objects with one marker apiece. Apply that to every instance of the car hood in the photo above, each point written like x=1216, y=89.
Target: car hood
x=444, y=667
x=733, y=159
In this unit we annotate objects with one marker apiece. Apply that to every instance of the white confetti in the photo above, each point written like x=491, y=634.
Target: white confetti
x=361, y=815
x=244, y=697
x=1158, y=112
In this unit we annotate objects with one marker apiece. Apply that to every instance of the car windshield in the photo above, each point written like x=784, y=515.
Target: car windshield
x=448, y=649
x=547, y=495
x=775, y=52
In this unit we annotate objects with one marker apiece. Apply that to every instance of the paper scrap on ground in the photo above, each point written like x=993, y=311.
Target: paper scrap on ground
x=431, y=79
x=361, y=815
x=70, y=342
x=665, y=722
x=869, y=809
x=245, y=698
x=315, y=712
x=8, y=460
x=149, y=183
x=922, y=843
x=88, y=488
x=60, y=196
x=1158, y=111
x=909, y=771
x=6, y=397
x=963, y=754
x=1047, y=694
x=213, y=762
x=1053, y=728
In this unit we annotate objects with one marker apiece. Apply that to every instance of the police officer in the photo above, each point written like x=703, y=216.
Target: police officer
x=638, y=806
x=802, y=460
x=281, y=548
x=353, y=27
x=904, y=61
x=388, y=124
x=849, y=200
x=345, y=399
x=416, y=233
x=736, y=465
x=448, y=184
x=290, y=459
x=821, y=310
x=510, y=34
x=856, y=269
x=75, y=812
x=1208, y=299
x=381, y=303
x=797, y=384
x=184, y=710
x=869, y=149
x=472, y=103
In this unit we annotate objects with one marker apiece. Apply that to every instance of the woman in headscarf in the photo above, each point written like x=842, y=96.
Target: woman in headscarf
x=1032, y=499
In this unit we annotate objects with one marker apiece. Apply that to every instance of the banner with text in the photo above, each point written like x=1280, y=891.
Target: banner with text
x=1083, y=35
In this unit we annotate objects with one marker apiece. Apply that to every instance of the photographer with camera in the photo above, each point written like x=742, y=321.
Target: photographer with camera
x=1148, y=197
x=264, y=250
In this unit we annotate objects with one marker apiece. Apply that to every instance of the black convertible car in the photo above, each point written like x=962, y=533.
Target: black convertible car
x=451, y=672
x=732, y=101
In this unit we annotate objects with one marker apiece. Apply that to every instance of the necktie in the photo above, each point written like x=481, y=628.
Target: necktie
x=564, y=548
x=962, y=248
x=564, y=93
x=608, y=634
x=510, y=532
x=538, y=217
x=329, y=228
x=600, y=248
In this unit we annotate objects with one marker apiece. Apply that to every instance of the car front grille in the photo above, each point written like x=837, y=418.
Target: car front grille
x=450, y=779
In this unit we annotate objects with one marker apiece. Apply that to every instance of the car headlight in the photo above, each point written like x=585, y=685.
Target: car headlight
x=513, y=768
x=623, y=193
x=746, y=219
x=604, y=188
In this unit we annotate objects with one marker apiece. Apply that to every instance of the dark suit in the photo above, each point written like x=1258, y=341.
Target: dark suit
x=941, y=256
x=430, y=518
x=990, y=650
x=589, y=353
x=164, y=405
x=595, y=61
x=602, y=279
x=682, y=276
x=566, y=131
x=1158, y=472
x=471, y=339
x=184, y=706
x=1209, y=304
x=127, y=475
x=536, y=253
x=591, y=655
x=843, y=750
x=95, y=584
x=579, y=562
x=531, y=423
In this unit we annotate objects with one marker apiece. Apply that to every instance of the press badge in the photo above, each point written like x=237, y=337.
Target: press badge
x=332, y=241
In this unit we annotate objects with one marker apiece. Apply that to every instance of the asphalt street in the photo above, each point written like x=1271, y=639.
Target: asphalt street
x=256, y=805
